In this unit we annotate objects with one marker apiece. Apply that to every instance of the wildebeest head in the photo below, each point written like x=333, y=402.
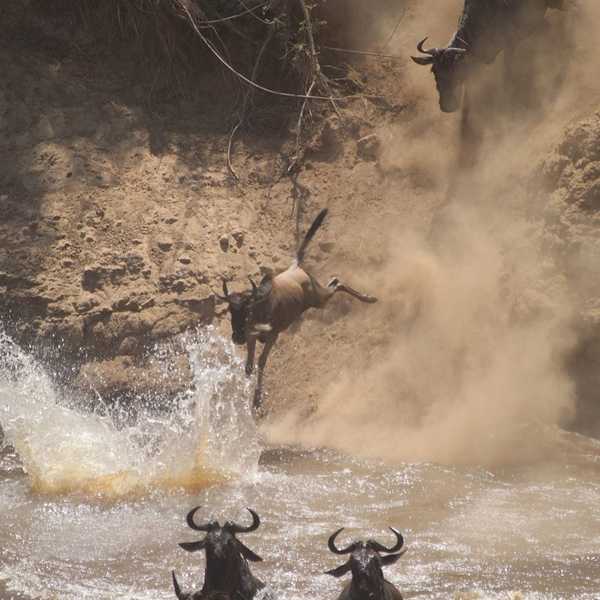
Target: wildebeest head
x=220, y=542
x=240, y=306
x=226, y=556
x=447, y=65
x=366, y=563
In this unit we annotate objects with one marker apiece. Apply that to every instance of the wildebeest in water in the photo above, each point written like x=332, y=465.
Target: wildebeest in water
x=227, y=575
x=485, y=28
x=365, y=564
x=263, y=312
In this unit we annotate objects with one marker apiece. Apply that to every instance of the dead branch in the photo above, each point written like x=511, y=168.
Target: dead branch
x=317, y=74
x=248, y=96
x=262, y=88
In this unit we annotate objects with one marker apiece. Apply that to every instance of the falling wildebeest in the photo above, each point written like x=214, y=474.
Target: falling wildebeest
x=365, y=564
x=264, y=311
x=485, y=28
x=227, y=575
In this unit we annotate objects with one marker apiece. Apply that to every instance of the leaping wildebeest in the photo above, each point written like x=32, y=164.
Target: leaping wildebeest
x=264, y=311
x=365, y=564
x=227, y=574
x=485, y=28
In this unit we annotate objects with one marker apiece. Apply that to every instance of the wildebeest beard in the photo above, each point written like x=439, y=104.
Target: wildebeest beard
x=239, y=305
x=244, y=307
x=227, y=571
x=449, y=72
x=365, y=563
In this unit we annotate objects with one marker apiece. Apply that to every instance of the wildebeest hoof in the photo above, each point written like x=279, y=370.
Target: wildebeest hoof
x=249, y=370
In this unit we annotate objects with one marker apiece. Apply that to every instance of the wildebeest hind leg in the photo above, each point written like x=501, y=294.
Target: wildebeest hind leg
x=340, y=287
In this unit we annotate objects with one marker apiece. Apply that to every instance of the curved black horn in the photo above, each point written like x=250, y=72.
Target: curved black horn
x=219, y=297
x=225, y=290
x=423, y=60
x=235, y=528
x=430, y=51
x=399, y=543
x=334, y=548
x=177, y=587
x=193, y=525
x=254, y=286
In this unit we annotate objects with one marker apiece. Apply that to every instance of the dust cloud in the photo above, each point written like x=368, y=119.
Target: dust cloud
x=467, y=351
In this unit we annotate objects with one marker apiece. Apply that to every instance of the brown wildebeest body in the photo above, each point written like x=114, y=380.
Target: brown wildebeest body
x=262, y=313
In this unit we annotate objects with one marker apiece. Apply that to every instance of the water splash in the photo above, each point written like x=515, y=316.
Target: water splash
x=207, y=436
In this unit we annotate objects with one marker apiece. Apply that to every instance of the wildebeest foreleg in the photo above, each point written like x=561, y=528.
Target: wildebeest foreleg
x=250, y=348
x=340, y=287
x=262, y=362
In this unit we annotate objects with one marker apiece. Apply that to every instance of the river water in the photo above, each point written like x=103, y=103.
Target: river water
x=91, y=509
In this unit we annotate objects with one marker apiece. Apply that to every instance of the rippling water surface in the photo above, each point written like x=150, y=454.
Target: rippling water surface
x=91, y=510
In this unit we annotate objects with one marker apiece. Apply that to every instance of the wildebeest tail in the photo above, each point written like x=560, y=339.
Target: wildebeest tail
x=310, y=234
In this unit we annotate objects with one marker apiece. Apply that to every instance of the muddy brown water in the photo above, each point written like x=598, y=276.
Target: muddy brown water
x=90, y=510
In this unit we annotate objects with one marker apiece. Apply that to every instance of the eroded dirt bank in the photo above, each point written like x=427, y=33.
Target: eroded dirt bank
x=121, y=217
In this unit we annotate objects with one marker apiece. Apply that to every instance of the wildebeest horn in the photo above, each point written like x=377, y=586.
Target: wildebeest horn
x=399, y=543
x=176, y=586
x=235, y=528
x=430, y=51
x=334, y=548
x=193, y=525
x=423, y=60
x=254, y=286
x=455, y=51
x=224, y=298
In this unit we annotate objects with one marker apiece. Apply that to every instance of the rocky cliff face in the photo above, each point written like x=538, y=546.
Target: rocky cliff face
x=117, y=219
x=120, y=216
x=572, y=177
